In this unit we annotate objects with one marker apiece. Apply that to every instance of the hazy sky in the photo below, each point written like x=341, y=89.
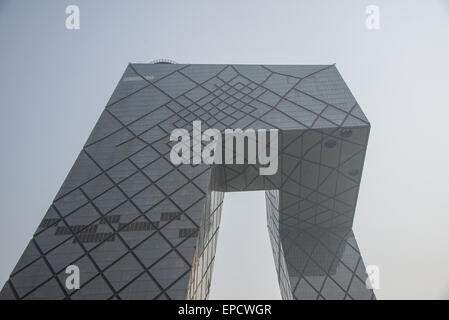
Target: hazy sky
x=54, y=83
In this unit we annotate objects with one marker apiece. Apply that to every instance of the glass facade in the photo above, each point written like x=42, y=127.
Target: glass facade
x=140, y=227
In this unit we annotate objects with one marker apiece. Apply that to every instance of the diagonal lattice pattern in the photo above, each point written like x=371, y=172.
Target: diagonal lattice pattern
x=139, y=227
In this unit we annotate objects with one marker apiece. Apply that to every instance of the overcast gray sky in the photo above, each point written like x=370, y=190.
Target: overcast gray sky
x=54, y=84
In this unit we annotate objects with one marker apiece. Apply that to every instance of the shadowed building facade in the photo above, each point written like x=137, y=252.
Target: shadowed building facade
x=140, y=227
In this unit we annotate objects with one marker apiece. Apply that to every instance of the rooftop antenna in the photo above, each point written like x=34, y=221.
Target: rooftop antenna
x=163, y=61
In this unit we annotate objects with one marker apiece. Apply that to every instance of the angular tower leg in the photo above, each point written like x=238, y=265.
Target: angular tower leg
x=128, y=218
x=314, y=262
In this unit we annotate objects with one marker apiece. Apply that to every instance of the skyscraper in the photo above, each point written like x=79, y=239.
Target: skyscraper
x=140, y=227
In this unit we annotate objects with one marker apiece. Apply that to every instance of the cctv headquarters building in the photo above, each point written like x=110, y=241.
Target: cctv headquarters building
x=140, y=227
